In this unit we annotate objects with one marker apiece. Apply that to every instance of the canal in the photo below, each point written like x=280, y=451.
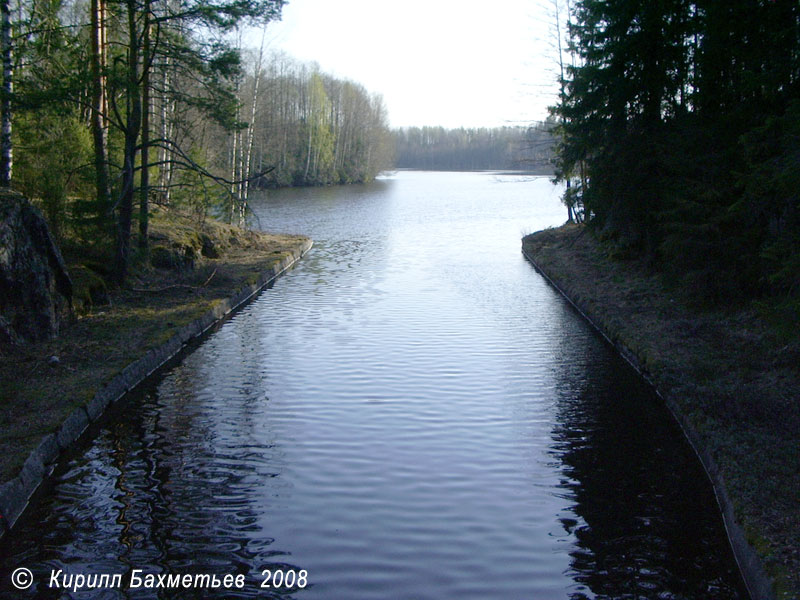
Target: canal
x=410, y=413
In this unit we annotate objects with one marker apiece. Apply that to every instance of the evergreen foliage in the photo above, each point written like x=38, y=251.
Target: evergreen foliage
x=683, y=118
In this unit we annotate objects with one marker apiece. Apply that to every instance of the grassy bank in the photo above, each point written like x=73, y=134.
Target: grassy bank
x=191, y=267
x=734, y=378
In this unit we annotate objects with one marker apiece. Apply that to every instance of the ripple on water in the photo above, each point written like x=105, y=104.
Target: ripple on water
x=410, y=413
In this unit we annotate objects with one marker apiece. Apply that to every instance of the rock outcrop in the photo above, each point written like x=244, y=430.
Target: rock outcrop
x=35, y=288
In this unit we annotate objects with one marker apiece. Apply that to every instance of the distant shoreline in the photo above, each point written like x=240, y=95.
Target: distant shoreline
x=508, y=171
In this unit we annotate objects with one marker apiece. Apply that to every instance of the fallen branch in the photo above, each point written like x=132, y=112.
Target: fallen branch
x=164, y=289
x=176, y=285
x=214, y=272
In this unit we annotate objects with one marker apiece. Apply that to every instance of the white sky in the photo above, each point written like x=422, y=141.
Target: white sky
x=453, y=63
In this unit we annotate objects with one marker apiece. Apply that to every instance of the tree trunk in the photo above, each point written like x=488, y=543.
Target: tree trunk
x=98, y=119
x=234, y=166
x=247, y=165
x=144, y=185
x=167, y=117
x=6, y=154
x=236, y=152
x=308, y=153
x=570, y=217
x=132, y=127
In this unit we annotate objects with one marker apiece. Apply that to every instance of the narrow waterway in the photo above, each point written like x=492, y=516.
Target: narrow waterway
x=410, y=413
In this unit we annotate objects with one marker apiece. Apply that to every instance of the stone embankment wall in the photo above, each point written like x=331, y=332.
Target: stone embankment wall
x=16, y=494
x=750, y=565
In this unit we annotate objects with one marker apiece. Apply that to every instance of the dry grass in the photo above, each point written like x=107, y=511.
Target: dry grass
x=728, y=371
x=103, y=339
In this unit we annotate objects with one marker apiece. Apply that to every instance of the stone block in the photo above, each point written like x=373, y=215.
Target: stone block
x=221, y=309
x=150, y=363
x=97, y=405
x=134, y=373
x=160, y=354
x=74, y=425
x=143, y=367
x=208, y=319
x=12, y=501
x=32, y=474
x=170, y=349
x=190, y=331
x=242, y=296
x=47, y=451
x=115, y=389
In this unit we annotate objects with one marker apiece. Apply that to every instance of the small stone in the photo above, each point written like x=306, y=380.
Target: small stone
x=53, y=360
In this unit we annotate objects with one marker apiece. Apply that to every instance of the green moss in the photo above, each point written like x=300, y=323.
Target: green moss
x=166, y=257
x=88, y=288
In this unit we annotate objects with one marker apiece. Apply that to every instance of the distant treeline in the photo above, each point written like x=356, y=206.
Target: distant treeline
x=437, y=148
x=681, y=139
x=314, y=128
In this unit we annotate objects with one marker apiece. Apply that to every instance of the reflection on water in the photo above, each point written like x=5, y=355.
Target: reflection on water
x=620, y=458
x=410, y=413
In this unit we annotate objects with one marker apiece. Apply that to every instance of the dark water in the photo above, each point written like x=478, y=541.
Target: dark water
x=410, y=413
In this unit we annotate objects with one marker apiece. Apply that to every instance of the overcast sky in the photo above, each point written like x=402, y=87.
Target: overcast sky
x=453, y=63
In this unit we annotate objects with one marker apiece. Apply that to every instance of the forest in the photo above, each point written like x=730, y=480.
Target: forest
x=311, y=128
x=476, y=149
x=679, y=137
x=111, y=106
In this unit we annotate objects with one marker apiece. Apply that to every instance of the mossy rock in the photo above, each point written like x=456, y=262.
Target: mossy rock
x=88, y=288
x=209, y=248
x=169, y=257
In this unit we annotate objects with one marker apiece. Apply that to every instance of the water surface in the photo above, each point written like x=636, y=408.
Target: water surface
x=411, y=413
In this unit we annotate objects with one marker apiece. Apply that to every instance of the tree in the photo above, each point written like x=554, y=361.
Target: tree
x=6, y=154
x=319, y=152
x=99, y=109
x=307, y=128
x=144, y=181
x=563, y=173
x=146, y=88
x=247, y=163
x=625, y=85
x=668, y=109
x=210, y=60
x=49, y=103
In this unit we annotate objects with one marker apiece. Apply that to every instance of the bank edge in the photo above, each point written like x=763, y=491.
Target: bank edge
x=752, y=570
x=16, y=494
